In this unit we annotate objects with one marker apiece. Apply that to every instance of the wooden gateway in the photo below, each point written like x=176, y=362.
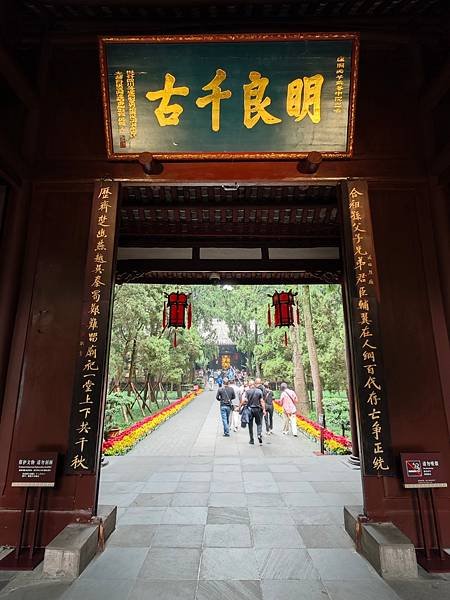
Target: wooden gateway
x=318, y=153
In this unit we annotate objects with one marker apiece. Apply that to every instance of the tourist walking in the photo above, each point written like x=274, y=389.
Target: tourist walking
x=288, y=401
x=211, y=383
x=235, y=420
x=255, y=402
x=268, y=401
x=225, y=395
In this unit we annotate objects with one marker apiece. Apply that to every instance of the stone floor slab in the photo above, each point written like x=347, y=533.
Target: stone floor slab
x=160, y=487
x=273, y=589
x=185, y=515
x=162, y=590
x=229, y=590
x=171, y=563
x=270, y=516
x=196, y=476
x=325, y=536
x=367, y=590
x=311, y=515
x=225, y=514
x=100, y=589
x=267, y=500
x=227, y=499
x=277, y=536
x=154, y=500
x=190, y=499
x=261, y=487
x=193, y=487
x=342, y=564
x=135, y=536
x=178, y=536
x=116, y=563
x=227, y=536
x=229, y=564
x=166, y=476
x=298, y=499
x=227, y=487
x=285, y=563
x=142, y=515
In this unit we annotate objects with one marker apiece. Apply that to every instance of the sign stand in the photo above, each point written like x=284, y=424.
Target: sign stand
x=422, y=471
x=433, y=560
x=32, y=470
x=322, y=424
x=23, y=558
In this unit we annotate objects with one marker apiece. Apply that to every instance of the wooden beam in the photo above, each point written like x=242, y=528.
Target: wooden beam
x=164, y=240
x=310, y=278
x=208, y=266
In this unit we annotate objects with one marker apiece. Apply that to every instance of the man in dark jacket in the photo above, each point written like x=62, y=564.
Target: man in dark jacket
x=225, y=395
x=255, y=402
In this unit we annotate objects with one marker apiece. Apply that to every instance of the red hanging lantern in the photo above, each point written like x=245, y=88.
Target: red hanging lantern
x=283, y=304
x=174, y=312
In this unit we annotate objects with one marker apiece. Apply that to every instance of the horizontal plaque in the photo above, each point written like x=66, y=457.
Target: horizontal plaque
x=229, y=96
x=422, y=470
x=35, y=469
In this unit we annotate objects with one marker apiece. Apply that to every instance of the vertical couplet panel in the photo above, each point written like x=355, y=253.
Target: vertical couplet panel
x=362, y=303
x=90, y=383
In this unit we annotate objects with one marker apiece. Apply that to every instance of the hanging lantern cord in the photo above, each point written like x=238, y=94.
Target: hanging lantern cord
x=189, y=319
x=164, y=321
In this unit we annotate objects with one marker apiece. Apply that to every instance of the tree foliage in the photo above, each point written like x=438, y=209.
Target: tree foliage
x=143, y=358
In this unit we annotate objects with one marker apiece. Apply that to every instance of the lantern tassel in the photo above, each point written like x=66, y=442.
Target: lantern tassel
x=285, y=339
x=175, y=339
x=164, y=321
x=189, y=316
x=269, y=316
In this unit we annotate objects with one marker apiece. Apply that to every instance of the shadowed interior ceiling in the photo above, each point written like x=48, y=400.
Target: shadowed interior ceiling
x=221, y=12
x=240, y=233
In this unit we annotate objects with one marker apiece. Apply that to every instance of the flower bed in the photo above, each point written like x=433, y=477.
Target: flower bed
x=334, y=444
x=126, y=439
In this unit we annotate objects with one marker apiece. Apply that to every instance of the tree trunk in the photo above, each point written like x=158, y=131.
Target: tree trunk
x=257, y=366
x=299, y=373
x=312, y=350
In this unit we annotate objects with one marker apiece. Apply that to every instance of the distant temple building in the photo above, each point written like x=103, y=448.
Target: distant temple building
x=228, y=356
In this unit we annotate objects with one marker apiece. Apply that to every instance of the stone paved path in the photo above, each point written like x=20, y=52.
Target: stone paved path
x=203, y=517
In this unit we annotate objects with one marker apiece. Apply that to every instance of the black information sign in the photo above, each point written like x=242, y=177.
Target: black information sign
x=422, y=470
x=35, y=469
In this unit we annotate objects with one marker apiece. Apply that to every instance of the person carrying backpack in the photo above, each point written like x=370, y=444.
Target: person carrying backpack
x=257, y=408
x=225, y=395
